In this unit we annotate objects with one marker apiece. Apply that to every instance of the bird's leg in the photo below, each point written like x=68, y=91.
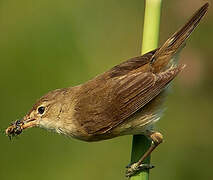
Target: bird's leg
x=133, y=169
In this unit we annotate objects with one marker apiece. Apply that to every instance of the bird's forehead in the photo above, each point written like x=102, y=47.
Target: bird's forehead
x=48, y=98
x=40, y=102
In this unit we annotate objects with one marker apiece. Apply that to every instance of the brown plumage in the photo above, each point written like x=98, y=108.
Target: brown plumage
x=124, y=100
x=110, y=101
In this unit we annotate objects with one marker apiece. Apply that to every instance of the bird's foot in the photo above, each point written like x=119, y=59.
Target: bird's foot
x=135, y=168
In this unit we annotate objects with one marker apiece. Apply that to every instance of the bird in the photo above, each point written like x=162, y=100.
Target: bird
x=125, y=100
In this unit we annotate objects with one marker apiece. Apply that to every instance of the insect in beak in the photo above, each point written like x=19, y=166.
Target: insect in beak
x=18, y=126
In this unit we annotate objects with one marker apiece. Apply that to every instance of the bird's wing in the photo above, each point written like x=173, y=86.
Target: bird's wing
x=104, y=105
x=131, y=64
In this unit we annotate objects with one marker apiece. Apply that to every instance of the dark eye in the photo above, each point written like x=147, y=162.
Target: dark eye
x=41, y=110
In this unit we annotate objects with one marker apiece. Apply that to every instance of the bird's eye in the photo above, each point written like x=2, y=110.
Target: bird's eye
x=41, y=109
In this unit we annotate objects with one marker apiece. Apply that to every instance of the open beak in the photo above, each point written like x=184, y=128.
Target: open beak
x=18, y=126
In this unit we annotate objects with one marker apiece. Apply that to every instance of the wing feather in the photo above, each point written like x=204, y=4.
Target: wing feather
x=131, y=64
x=101, y=109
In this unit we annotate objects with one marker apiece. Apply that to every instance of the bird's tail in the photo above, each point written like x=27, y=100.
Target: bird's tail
x=161, y=59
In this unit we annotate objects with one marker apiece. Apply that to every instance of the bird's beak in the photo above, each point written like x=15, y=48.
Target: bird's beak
x=18, y=126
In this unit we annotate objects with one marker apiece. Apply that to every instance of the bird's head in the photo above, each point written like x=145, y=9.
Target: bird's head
x=44, y=113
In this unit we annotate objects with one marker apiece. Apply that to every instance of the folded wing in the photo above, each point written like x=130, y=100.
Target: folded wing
x=103, y=108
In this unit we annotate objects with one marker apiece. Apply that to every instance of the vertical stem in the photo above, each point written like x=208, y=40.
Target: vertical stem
x=140, y=143
x=151, y=25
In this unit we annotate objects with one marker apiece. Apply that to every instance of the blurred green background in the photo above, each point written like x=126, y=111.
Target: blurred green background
x=49, y=44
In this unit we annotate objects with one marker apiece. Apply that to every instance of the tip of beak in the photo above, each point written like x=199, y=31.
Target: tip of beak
x=18, y=126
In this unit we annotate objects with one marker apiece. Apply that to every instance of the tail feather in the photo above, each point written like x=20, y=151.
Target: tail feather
x=161, y=58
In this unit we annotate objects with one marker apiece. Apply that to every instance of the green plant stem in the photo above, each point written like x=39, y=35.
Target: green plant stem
x=140, y=143
x=151, y=25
